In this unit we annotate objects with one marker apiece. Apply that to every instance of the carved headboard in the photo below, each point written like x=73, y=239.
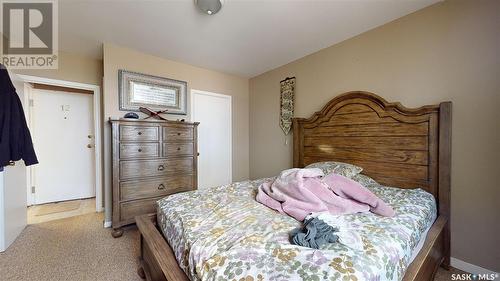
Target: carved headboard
x=395, y=145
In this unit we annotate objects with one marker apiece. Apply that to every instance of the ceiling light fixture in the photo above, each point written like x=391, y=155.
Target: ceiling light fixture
x=209, y=7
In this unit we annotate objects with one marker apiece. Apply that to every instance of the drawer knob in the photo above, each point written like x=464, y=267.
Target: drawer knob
x=139, y=150
x=161, y=168
x=178, y=134
x=161, y=186
x=139, y=133
x=178, y=148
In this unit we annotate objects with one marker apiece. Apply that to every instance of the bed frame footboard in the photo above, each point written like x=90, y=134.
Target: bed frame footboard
x=157, y=260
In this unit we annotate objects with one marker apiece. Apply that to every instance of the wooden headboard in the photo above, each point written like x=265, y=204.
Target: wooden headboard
x=395, y=145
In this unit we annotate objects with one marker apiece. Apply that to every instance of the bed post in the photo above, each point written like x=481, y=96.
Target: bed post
x=445, y=175
x=297, y=143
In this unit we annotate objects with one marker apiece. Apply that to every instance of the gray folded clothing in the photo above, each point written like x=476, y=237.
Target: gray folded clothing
x=313, y=234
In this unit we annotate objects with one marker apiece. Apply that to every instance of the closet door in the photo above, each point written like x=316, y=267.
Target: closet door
x=213, y=111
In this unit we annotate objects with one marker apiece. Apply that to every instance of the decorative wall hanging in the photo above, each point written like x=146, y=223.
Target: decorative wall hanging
x=287, y=96
x=156, y=93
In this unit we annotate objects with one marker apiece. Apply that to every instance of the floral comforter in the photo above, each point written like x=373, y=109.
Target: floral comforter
x=222, y=233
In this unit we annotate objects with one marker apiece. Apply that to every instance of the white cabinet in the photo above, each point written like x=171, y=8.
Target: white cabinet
x=13, y=214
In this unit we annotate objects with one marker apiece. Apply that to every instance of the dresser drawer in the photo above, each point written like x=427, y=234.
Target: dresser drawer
x=146, y=168
x=173, y=133
x=138, y=189
x=175, y=149
x=139, y=133
x=139, y=150
x=129, y=210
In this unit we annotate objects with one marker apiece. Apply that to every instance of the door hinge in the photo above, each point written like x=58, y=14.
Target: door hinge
x=31, y=102
x=33, y=189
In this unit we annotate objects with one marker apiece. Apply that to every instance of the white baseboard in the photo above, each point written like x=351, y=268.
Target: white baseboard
x=469, y=268
x=107, y=224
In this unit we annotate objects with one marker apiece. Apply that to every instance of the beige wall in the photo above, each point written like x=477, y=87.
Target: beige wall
x=73, y=68
x=116, y=58
x=449, y=51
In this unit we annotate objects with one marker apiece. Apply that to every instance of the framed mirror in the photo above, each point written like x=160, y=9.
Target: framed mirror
x=156, y=93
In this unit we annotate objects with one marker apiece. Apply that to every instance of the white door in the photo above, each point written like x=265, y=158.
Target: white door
x=64, y=142
x=213, y=111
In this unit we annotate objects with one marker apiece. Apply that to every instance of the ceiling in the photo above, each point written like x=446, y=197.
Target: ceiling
x=245, y=38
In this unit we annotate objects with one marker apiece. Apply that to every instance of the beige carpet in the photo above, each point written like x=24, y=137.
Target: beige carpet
x=76, y=248
x=79, y=248
x=58, y=207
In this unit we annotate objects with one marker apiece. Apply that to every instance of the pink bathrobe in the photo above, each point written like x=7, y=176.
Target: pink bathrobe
x=300, y=192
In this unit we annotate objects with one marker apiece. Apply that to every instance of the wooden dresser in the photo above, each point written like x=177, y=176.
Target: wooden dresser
x=151, y=159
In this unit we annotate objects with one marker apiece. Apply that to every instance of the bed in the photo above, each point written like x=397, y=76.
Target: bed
x=222, y=233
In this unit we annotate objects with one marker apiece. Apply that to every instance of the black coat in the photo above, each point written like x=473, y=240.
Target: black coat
x=15, y=138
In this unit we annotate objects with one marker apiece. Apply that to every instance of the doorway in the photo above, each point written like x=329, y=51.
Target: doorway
x=63, y=135
x=65, y=121
x=213, y=111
